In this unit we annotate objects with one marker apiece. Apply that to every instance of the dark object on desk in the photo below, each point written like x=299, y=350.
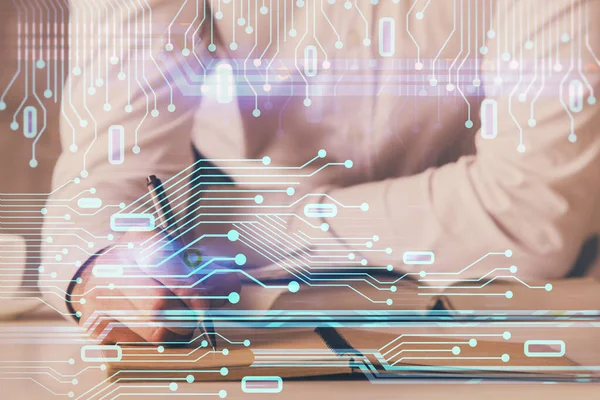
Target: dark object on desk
x=587, y=256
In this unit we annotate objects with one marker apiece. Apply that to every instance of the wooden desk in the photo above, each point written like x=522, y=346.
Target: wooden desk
x=40, y=359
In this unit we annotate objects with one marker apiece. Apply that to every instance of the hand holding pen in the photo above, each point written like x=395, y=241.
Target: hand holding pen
x=168, y=226
x=132, y=308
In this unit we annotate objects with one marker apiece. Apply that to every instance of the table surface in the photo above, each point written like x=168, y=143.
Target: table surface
x=39, y=359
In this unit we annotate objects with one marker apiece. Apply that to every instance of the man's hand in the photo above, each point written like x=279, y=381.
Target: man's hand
x=132, y=307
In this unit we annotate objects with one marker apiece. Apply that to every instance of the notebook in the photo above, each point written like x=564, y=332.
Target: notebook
x=331, y=350
x=554, y=297
x=309, y=353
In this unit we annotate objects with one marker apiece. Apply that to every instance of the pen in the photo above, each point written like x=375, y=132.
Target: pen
x=169, y=228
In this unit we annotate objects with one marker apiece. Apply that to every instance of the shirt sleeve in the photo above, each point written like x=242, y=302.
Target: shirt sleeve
x=128, y=73
x=530, y=190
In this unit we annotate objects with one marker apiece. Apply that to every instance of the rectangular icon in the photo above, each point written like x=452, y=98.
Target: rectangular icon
x=132, y=222
x=418, y=258
x=576, y=96
x=30, y=122
x=116, y=144
x=544, y=348
x=101, y=353
x=310, y=60
x=387, y=37
x=489, y=119
x=262, y=384
x=224, y=83
x=320, y=210
x=89, y=202
x=107, y=271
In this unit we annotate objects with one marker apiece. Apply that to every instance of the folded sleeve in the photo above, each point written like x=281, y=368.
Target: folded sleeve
x=530, y=190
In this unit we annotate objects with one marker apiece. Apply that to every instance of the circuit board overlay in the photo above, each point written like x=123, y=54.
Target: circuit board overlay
x=345, y=88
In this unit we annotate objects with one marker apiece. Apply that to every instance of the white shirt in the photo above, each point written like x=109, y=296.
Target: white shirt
x=432, y=181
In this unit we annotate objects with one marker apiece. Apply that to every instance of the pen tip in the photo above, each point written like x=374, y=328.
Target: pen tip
x=151, y=180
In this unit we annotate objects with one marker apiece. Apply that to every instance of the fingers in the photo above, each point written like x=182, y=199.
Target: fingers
x=161, y=307
x=170, y=271
x=118, y=334
x=111, y=331
x=221, y=285
x=132, y=308
x=197, y=291
x=137, y=319
x=200, y=294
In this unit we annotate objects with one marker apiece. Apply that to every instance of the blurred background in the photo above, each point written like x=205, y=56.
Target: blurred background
x=16, y=174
